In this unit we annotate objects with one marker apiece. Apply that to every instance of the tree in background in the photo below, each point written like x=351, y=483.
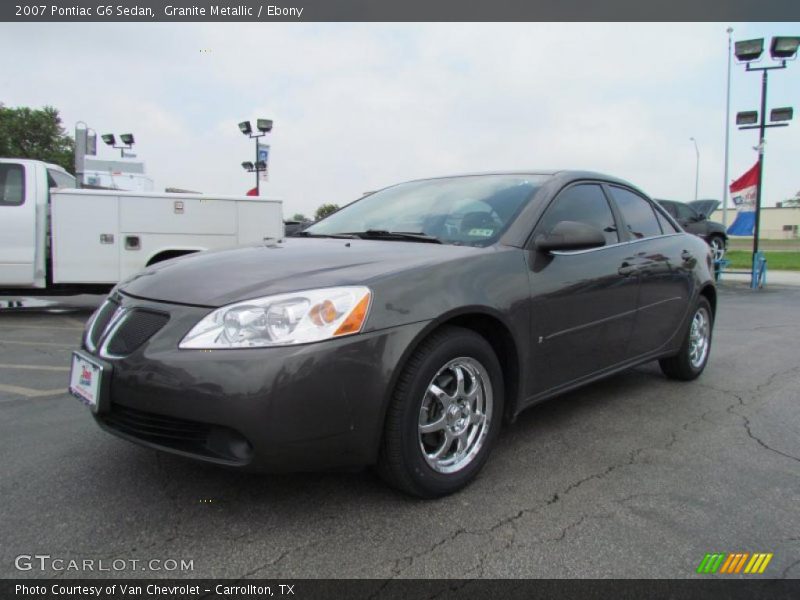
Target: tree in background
x=36, y=134
x=299, y=217
x=324, y=210
x=793, y=202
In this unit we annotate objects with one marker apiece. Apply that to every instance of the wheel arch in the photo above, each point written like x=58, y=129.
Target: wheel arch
x=487, y=323
x=710, y=293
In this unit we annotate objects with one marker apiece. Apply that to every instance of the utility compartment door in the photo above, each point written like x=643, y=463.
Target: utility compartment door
x=17, y=224
x=259, y=221
x=85, y=237
x=177, y=215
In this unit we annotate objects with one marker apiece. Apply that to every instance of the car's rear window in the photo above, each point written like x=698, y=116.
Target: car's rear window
x=639, y=215
x=666, y=226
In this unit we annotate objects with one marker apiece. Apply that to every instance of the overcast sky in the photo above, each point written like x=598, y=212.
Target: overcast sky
x=360, y=106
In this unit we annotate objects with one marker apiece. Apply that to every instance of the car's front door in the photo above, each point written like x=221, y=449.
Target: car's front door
x=664, y=265
x=17, y=225
x=582, y=302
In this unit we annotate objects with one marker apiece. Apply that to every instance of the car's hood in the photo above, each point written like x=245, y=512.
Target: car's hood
x=705, y=207
x=225, y=276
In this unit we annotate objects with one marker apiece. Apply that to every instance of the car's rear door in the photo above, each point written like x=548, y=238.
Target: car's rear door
x=663, y=262
x=582, y=302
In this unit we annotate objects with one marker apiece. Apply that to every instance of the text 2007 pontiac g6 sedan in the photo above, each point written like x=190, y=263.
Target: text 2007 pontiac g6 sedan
x=401, y=330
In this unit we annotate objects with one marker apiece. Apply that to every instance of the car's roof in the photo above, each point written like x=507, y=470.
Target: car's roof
x=566, y=174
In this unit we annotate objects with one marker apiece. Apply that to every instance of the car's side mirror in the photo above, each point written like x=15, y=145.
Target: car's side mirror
x=570, y=235
x=700, y=217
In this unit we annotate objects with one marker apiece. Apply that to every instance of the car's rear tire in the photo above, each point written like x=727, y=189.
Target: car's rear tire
x=690, y=362
x=444, y=416
x=717, y=243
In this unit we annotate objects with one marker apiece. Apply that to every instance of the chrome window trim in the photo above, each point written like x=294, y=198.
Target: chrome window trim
x=625, y=243
x=111, y=331
x=90, y=327
x=87, y=336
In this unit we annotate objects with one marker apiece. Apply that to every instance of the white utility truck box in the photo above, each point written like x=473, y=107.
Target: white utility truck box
x=102, y=236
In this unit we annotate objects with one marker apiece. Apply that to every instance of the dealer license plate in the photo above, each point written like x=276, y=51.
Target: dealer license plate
x=85, y=380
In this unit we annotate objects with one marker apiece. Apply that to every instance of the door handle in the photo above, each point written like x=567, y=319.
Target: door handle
x=626, y=269
x=686, y=256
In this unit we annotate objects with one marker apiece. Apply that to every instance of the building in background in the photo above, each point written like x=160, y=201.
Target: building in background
x=126, y=175
x=777, y=223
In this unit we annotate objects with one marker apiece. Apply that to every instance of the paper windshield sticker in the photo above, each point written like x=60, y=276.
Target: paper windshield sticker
x=481, y=232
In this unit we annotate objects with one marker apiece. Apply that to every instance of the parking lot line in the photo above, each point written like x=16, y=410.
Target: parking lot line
x=78, y=324
x=33, y=367
x=28, y=392
x=13, y=326
x=20, y=342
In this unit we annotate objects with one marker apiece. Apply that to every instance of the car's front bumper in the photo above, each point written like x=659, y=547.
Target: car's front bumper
x=300, y=407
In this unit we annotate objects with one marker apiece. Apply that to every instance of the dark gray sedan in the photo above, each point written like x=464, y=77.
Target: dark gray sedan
x=402, y=330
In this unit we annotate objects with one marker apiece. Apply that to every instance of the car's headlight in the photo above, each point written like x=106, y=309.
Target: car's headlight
x=296, y=318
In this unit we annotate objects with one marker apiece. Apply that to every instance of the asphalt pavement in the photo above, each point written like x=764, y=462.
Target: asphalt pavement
x=636, y=476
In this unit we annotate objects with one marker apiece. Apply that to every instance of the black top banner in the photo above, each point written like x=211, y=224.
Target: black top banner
x=399, y=10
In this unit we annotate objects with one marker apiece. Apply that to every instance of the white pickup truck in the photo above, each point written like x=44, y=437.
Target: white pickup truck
x=55, y=239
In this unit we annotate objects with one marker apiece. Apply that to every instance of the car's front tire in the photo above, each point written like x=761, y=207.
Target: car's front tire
x=444, y=416
x=690, y=362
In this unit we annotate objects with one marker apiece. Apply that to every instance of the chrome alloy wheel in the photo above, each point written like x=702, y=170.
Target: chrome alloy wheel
x=717, y=248
x=455, y=415
x=699, y=338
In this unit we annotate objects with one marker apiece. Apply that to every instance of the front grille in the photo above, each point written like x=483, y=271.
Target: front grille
x=202, y=439
x=134, y=330
x=104, y=315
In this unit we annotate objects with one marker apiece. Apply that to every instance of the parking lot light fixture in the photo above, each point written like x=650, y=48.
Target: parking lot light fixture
x=747, y=117
x=264, y=126
x=126, y=138
x=784, y=113
x=784, y=47
x=749, y=50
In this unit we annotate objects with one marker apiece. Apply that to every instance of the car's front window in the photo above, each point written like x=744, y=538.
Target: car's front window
x=470, y=210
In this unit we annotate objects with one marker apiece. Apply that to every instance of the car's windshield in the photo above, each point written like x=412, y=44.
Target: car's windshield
x=471, y=210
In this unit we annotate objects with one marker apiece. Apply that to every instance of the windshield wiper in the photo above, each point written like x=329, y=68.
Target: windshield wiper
x=383, y=234
x=340, y=236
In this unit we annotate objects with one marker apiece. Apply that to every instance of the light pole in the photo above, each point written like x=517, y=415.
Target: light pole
x=749, y=51
x=727, y=135
x=264, y=126
x=127, y=140
x=696, y=168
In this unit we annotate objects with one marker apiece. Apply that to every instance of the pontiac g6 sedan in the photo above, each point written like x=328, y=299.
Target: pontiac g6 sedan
x=402, y=330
